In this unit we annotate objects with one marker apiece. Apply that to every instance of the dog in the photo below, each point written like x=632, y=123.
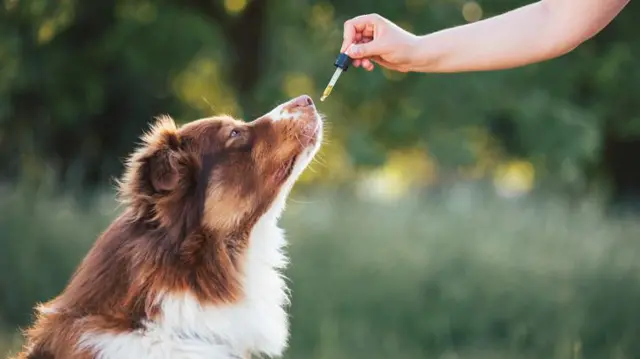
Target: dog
x=192, y=267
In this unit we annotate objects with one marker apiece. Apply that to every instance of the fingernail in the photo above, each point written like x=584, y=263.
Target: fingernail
x=354, y=50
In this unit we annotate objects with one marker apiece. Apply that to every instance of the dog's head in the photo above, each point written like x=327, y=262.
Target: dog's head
x=221, y=172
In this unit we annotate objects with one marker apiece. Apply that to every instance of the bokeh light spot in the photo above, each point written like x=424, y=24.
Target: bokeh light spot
x=322, y=16
x=9, y=5
x=202, y=86
x=46, y=32
x=146, y=12
x=296, y=84
x=514, y=178
x=414, y=5
x=235, y=6
x=54, y=24
x=471, y=11
x=403, y=172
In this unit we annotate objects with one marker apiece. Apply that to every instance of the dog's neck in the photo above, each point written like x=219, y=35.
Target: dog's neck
x=227, y=325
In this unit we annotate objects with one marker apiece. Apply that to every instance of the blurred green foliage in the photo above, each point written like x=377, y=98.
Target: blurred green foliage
x=457, y=275
x=80, y=80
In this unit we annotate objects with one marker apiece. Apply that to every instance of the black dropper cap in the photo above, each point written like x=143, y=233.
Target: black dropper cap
x=343, y=61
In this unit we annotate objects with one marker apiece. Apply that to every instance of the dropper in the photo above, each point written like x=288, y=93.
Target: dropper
x=342, y=63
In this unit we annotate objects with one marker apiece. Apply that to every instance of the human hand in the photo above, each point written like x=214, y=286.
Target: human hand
x=371, y=37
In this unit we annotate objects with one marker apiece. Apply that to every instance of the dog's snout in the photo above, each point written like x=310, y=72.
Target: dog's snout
x=302, y=101
x=298, y=108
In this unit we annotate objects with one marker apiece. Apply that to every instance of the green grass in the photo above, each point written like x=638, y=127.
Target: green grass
x=463, y=275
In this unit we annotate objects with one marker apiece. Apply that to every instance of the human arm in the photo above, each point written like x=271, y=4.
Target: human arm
x=533, y=33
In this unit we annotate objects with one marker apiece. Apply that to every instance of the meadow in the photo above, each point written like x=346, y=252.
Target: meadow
x=460, y=274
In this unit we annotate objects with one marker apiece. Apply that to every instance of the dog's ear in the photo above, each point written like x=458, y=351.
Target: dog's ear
x=161, y=172
x=162, y=167
x=156, y=166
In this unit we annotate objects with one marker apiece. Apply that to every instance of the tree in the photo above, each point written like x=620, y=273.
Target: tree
x=80, y=82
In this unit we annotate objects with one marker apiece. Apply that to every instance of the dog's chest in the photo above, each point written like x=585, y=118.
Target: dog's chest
x=258, y=323
x=186, y=329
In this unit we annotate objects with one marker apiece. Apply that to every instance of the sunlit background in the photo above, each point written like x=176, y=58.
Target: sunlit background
x=479, y=215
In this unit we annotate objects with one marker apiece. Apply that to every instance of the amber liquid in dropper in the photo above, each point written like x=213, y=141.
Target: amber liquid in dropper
x=332, y=83
x=326, y=92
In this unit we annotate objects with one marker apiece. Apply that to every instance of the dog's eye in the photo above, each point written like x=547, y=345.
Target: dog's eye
x=234, y=133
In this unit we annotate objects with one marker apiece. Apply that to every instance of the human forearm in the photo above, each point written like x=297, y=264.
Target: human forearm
x=533, y=33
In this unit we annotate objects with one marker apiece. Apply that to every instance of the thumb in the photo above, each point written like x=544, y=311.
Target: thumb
x=369, y=49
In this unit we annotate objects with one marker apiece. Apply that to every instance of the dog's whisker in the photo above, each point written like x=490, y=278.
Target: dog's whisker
x=313, y=169
x=294, y=200
x=208, y=103
x=319, y=161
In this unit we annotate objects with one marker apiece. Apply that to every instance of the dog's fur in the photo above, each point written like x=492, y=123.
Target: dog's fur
x=192, y=267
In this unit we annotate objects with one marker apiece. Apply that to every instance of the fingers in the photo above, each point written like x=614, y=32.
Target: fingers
x=348, y=37
x=378, y=60
x=361, y=43
x=391, y=66
x=368, y=31
x=363, y=25
x=357, y=41
x=365, y=63
x=363, y=50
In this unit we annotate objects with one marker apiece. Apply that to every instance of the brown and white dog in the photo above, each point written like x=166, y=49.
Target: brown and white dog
x=192, y=267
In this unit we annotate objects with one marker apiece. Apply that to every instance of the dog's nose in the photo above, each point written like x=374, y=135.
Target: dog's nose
x=302, y=101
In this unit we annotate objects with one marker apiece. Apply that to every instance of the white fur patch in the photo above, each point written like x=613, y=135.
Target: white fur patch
x=281, y=113
x=258, y=324
x=187, y=330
